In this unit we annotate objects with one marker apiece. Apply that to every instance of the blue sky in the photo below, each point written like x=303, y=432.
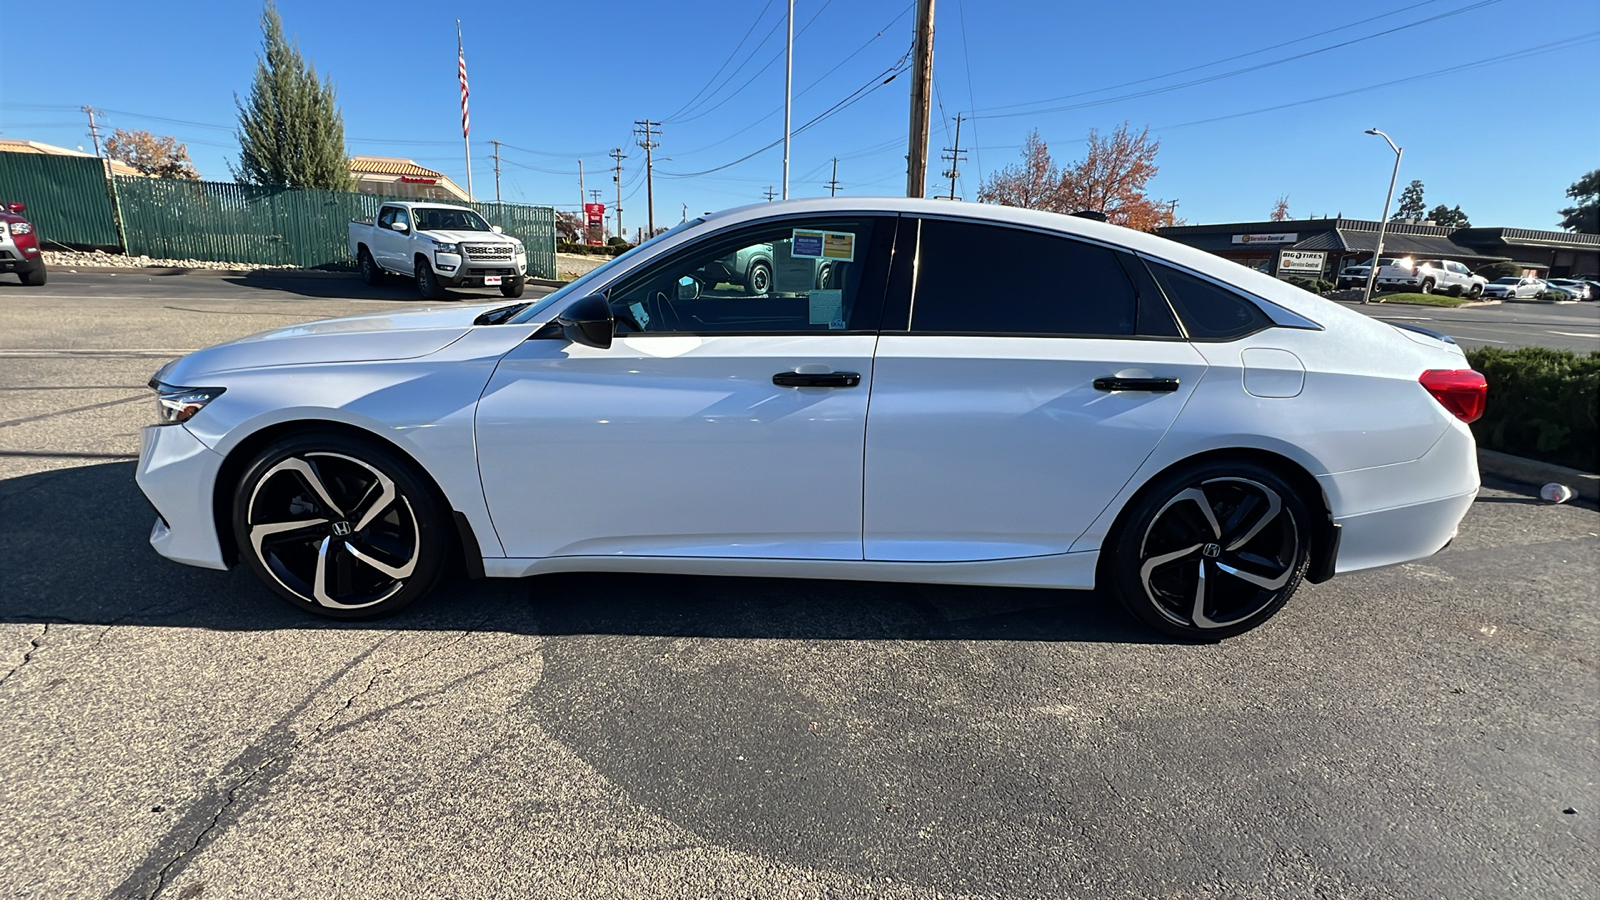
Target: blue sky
x=562, y=81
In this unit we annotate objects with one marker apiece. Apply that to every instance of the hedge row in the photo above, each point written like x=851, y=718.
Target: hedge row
x=1543, y=404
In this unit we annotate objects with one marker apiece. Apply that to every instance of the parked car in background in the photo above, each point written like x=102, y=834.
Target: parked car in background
x=1194, y=437
x=1355, y=274
x=19, y=245
x=1428, y=276
x=440, y=246
x=1577, y=290
x=1513, y=288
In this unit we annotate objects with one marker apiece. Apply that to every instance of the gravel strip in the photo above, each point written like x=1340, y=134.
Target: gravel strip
x=68, y=259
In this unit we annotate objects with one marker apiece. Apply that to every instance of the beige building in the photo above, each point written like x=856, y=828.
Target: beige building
x=395, y=177
x=9, y=145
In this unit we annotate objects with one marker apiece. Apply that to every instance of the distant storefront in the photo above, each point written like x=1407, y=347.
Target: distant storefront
x=1319, y=248
x=395, y=177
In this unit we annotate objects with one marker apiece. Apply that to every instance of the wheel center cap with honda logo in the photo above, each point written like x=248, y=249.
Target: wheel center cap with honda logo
x=341, y=528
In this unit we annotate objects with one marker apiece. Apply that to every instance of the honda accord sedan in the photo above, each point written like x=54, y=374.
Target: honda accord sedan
x=921, y=392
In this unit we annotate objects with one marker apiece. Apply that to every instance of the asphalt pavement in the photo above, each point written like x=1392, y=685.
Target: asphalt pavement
x=1426, y=730
x=1562, y=326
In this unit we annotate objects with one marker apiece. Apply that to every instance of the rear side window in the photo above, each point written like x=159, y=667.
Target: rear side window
x=974, y=278
x=1209, y=312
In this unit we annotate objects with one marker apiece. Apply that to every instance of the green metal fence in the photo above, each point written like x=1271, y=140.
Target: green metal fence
x=68, y=198
x=237, y=223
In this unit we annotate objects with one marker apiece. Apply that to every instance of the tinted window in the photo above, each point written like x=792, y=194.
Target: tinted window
x=811, y=275
x=1208, y=311
x=983, y=279
x=386, y=217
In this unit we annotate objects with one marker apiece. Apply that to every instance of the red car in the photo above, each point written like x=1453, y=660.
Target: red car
x=19, y=245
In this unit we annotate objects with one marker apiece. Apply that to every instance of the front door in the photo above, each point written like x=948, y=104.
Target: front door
x=1032, y=383
x=722, y=422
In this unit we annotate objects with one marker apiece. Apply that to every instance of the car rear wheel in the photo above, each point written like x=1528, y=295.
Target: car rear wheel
x=1427, y=285
x=339, y=527
x=370, y=273
x=428, y=283
x=1210, y=551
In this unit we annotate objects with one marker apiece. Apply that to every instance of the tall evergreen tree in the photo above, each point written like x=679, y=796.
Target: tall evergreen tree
x=1449, y=218
x=291, y=133
x=1584, y=218
x=1411, y=205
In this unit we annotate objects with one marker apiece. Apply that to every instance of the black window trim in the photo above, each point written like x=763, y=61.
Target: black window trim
x=1279, y=316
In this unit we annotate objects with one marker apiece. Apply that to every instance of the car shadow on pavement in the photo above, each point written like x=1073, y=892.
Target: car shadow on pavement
x=74, y=550
x=351, y=287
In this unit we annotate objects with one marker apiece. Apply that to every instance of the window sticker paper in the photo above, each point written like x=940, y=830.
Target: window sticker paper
x=826, y=306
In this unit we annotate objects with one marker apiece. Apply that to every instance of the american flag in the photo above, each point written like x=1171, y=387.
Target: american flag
x=461, y=57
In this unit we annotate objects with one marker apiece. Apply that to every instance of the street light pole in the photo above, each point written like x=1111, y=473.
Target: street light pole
x=1383, y=223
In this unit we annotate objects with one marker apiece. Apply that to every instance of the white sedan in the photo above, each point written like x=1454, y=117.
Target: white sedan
x=925, y=392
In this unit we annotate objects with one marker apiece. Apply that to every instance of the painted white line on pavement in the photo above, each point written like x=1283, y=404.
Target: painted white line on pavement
x=1588, y=334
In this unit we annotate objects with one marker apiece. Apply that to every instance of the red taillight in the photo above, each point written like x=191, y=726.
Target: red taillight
x=1462, y=391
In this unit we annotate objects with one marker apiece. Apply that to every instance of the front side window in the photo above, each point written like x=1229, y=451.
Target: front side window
x=386, y=216
x=433, y=218
x=401, y=217
x=792, y=276
x=975, y=278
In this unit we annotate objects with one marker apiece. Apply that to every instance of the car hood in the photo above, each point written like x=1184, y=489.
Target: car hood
x=364, y=338
x=474, y=237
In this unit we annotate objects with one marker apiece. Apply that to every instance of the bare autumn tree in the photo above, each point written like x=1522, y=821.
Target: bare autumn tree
x=1280, y=210
x=162, y=157
x=1035, y=183
x=1110, y=179
x=568, y=228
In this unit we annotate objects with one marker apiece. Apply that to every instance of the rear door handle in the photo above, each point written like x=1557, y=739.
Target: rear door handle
x=1154, y=385
x=817, y=379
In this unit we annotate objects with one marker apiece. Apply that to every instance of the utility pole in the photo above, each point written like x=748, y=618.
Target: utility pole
x=921, y=99
x=788, y=98
x=771, y=193
x=581, y=193
x=833, y=186
x=496, y=170
x=955, y=156
x=616, y=176
x=94, y=132
x=650, y=131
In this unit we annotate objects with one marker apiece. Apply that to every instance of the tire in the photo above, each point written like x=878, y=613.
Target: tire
x=758, y=278
x=396, y=538
x=1247, y=556
x=427, y=282
x=371, y=273
x=33, y=277
x=1475, y=292
x=1427, y=286
x=514, y=286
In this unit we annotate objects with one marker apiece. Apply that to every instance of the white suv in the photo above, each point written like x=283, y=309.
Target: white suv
x=1432, y=275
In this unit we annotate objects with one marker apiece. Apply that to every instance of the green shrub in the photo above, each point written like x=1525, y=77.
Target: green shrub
x=1314, y=285
x=617, y=240
x=1543, y=404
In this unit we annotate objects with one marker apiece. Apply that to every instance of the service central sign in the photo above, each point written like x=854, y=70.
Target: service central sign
x=1279, y=238
x=1301, y=262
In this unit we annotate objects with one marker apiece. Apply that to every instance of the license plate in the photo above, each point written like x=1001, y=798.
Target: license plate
x=491, y=281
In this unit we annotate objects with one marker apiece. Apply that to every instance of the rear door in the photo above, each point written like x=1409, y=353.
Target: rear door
x=1036, y=373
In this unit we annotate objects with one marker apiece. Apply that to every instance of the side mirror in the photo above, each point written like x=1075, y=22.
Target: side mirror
x=400, y=227
x=497, y=229
x=17, y=207
x=588, y=321
x=688, y=288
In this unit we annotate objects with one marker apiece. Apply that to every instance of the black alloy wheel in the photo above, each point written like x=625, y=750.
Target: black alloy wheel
x=758, y=280
x=339, y=527
x=1211, y=551
x=427, y=282
x=370, y=273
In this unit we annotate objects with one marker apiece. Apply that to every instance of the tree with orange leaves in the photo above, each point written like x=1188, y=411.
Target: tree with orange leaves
x=1110, y=179
x=1280, y=210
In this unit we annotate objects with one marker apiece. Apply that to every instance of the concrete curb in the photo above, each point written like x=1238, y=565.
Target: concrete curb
x=1532, y=471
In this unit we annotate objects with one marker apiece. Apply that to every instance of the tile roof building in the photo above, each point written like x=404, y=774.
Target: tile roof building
x=393, y=176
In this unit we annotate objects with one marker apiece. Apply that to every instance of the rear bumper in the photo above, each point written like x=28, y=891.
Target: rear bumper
x=1401, y=534
x=177, y=474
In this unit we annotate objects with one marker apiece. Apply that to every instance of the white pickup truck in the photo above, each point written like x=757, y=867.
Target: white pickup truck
x=440, y=246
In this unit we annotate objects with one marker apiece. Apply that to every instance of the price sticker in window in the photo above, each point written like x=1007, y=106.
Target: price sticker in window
x=835, y=245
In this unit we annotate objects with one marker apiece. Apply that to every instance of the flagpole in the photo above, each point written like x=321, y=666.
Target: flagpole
x=461, y=60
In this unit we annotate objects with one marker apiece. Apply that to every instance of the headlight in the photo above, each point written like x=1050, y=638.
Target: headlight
x=22, y=228
x=179, y=404
x=446, y=248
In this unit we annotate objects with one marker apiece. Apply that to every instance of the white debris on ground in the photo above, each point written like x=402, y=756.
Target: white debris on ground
x=68, y=259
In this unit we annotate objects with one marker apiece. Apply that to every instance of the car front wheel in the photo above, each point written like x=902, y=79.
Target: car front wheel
x=339, y=527
x=513, y=286
x=427, y=282
x=1210, y=551
x=758, y=280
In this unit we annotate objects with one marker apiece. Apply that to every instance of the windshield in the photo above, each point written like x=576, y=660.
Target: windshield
x=437, y=218
x=598, y=276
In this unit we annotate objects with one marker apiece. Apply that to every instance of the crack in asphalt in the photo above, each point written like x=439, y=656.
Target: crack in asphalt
x=265, y=761
x=34, y=645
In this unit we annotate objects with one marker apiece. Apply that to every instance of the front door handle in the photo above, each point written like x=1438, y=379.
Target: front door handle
x=816, y=379
x=1154, y=385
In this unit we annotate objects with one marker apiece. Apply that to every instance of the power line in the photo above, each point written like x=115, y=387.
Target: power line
x=751, y=30
x=751, y=80
x=647, y=132
x=990, y=114
x=966, y=58
x=955, y=156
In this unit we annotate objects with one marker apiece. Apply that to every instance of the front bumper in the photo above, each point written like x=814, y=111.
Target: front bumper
x=13, y=261
x=178, y=475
